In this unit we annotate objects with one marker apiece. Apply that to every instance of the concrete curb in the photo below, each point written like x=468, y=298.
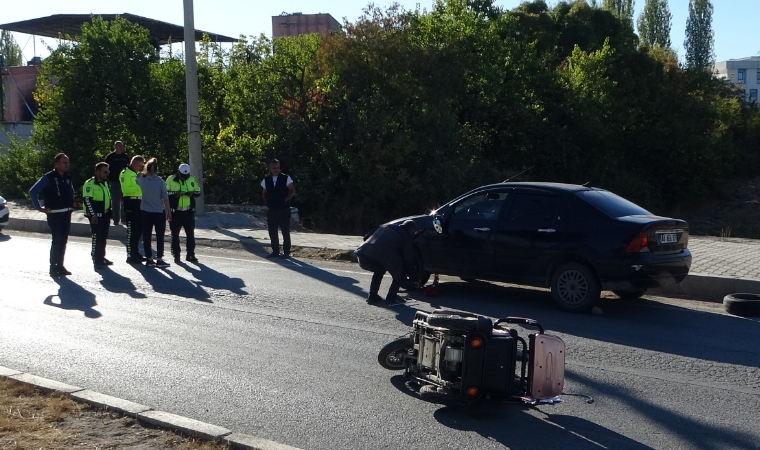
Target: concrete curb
x=146, y=414
x=710, y=288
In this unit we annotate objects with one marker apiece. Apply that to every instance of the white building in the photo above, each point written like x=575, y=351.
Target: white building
x=744, y=72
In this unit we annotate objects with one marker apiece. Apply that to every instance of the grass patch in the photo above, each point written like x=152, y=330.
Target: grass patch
x=30, y=419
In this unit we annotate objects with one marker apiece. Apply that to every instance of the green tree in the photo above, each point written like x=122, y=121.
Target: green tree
x=622, y=9
x=10, y=50
x=102, y=91
x=654, y=24
x=700, y=38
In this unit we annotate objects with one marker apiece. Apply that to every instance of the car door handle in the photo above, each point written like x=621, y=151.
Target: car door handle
x=547, y=230
x=482, y=229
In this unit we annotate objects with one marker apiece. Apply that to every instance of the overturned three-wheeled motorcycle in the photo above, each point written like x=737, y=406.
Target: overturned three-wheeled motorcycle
x=452, y=357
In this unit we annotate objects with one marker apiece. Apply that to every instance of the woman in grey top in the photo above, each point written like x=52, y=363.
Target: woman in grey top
x=155, y=212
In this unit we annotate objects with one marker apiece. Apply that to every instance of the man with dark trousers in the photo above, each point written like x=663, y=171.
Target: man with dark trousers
x=132, y=195
x=183, y=188
x=96, y=202
x=117, y=161
x=388, y=249
x=277, y=190
x=58, y=193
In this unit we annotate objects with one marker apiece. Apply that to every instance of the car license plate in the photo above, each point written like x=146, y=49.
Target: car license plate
x=668, y=238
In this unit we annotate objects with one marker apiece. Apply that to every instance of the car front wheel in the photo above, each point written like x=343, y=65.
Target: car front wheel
x=574, y=287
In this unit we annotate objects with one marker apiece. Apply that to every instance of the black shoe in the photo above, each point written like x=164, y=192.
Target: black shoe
x=54, y=271
x=161, y=263
x=99, y=266
x=62, y=271
x=273, y=255
x=150, y=263
x=107, y=262
x=285, y=256
x=131, y=260
x=374, y=298
x=192, y=259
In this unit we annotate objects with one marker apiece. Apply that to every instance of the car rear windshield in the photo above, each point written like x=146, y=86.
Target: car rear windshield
x=612, y=204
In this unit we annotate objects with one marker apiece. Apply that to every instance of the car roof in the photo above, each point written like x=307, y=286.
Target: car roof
x=538, y=184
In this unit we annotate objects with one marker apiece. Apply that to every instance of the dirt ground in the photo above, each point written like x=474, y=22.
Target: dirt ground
x=32, y=420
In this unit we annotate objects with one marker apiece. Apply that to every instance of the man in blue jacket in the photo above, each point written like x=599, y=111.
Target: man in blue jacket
x=389, y=249
x=58, y=194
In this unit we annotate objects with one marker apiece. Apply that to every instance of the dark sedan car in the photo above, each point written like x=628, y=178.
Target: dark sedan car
x=573, y=239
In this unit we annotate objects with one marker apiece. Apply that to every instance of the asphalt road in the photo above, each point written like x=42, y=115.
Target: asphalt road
x=287, y=351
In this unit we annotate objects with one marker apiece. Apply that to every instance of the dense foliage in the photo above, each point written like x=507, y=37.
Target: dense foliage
x=654, y=24
x=700, y=38
x=406, y=109
x=10, y=50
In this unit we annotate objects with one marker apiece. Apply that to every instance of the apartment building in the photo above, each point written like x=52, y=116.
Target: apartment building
x=744, y=72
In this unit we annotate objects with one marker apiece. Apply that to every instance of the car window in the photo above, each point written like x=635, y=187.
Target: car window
x=481, y=206
x=612, y=204
x=533, y=208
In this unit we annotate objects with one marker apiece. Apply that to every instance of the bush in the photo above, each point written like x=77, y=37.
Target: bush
x=20, y=168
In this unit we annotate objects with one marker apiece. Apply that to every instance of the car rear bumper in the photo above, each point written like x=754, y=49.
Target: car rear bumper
x=645, y=271
x=5, y=217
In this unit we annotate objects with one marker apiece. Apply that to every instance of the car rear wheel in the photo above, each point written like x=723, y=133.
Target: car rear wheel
x=630, y=295
x=574, y=287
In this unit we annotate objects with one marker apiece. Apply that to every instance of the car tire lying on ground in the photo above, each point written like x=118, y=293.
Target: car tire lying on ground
x=745, y=305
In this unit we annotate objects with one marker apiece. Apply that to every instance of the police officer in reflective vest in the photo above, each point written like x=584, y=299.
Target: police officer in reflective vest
x=96, y=199
x=132, y=196
x=183, y=188
x=58, y=192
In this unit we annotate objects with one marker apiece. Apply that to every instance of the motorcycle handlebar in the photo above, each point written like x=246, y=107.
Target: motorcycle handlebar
x=521, y=321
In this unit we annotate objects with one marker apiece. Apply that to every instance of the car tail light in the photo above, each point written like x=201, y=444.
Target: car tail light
x=476, y=342
x=686, y=239
x=472, y=391
x=638, y=244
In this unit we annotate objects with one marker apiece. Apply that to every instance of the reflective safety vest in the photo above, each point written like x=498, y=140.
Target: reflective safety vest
x=96, y=197
x=182, y=192
x=129, y=186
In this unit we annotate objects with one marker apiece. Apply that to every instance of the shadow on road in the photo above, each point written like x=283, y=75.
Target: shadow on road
x=165, y=281
x=114, y=282
x=640, y=323
x=348, y=284
x=681, y=425
x=514, y=426
x=213, y=279
x=72, y=296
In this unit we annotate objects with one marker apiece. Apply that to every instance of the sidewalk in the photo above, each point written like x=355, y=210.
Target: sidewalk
x=720, y=266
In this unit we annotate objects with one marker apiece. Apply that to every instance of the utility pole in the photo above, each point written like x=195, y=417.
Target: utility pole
x=193, y=116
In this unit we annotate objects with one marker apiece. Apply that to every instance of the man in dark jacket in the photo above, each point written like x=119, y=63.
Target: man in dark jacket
x=58, y=192
x=388, y=249
x=117, y=160
x=277, y=190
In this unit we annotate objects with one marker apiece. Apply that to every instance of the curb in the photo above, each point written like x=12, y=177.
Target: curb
x=146, y=414
x=710, y=288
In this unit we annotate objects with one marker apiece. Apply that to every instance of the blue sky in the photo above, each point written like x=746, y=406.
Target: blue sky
x=735, y=22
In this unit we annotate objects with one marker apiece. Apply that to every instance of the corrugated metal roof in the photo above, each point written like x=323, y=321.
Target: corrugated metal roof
x=160, y=33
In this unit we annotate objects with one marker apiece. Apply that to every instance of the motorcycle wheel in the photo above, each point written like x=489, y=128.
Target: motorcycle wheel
x=453, y=322
x=391, y=356
x=433, y=394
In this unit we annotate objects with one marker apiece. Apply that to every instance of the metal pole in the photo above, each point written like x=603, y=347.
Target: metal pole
x=193, y=116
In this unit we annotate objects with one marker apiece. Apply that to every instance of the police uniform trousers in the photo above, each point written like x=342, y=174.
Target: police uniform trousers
x=99, y=237
x=180, y=220
x=60, y=225
x=133, y=217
